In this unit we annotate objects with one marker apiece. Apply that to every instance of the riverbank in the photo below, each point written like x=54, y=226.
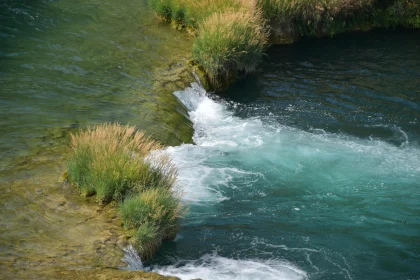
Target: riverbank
x=231, y=36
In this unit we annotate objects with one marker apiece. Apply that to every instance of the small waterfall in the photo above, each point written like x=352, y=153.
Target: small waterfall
x=132, y=258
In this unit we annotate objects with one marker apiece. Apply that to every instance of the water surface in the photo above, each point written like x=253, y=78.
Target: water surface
x=65, y=65
x=310, y=169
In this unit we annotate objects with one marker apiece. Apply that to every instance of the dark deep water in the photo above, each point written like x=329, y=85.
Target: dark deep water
x=362, y=84
x=308, y=169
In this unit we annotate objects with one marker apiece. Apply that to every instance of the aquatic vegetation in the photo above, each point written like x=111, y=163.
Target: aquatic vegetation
x=168, y=9
x=329, y=17
x=114, y=162
x=108, y=161
x=232, y=34
x=404, y=13
x=153, y=215
x=192, y=12
x=314, y=17
x=230, y=42
x=198, y=11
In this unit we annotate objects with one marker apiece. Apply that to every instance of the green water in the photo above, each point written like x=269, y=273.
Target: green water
x=65, y=65
x=68, y=64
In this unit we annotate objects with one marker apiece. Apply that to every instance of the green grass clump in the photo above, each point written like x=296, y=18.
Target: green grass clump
x=163, y=8
x=154, y=216
x=114, y=162
x=229, y=43
x=404, y=13
x=108, y=160
x=192, y=12
x=198, y=11
x=231, y=34
x=170, y=10
x=315, y=17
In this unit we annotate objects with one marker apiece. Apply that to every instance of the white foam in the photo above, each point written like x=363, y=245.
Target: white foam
x=213, y=267
x=223, y=140
x=233, y=154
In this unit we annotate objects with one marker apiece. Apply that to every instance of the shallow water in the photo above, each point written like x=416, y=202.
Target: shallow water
x=65, y=65
x=309, y=170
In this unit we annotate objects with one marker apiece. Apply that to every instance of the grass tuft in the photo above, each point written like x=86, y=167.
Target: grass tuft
x=404, y=13
x=154, y=214
x=230, y=42
x=315, y=17
x=108, y=160
x=115, y=163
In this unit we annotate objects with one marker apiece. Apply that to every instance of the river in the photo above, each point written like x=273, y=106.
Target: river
x=308, y=169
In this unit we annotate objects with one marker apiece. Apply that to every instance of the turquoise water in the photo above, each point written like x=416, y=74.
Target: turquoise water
x=309, y=170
